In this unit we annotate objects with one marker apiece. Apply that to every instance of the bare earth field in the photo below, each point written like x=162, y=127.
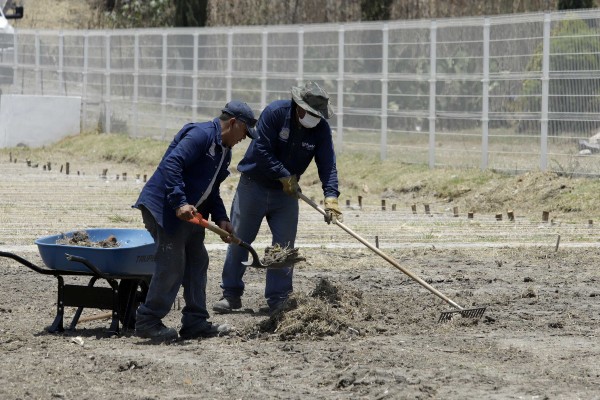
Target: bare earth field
x=374, y=334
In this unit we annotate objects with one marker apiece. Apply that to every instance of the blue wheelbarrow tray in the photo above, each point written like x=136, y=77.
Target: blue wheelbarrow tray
x=133, y=256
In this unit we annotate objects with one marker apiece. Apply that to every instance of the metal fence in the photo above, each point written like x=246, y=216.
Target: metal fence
x=514, y=93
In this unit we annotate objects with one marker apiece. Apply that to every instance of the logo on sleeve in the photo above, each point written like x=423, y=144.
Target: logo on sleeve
x=284, y=134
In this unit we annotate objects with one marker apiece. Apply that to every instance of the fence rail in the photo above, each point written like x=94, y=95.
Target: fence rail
x=514, y=93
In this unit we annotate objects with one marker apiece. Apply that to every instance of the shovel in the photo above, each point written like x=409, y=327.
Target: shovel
x=446, y=315
x=256, y=263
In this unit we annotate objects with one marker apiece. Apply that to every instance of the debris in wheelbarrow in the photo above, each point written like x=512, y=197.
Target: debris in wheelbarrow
x=81, y=238
x=274, y=257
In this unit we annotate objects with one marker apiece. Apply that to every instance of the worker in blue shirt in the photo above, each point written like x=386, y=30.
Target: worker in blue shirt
x=186, y=183
x=290, y=134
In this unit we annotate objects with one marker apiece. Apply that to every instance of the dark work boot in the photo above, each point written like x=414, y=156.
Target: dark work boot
x=158, y=332
x=204, y=330
x=227, y=305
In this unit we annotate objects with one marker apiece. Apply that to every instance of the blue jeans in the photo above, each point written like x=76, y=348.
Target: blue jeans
x=251, y=204
x=180, y=258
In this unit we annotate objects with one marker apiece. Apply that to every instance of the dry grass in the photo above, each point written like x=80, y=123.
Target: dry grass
x=327, y=310
x=568, y=199
x=58, y=14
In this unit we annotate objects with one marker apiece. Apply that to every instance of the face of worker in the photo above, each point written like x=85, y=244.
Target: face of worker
x=307, y=119
x=234, y=132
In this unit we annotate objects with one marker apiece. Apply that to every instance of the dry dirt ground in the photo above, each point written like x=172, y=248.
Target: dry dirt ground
x=373, y=333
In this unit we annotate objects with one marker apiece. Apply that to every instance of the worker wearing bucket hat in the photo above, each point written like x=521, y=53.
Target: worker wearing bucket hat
x=186, y=183
x=291, y=133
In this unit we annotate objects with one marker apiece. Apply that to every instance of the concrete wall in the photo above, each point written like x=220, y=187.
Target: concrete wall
x=36, y=121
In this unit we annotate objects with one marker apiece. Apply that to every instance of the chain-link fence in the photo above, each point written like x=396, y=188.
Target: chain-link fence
x=513, y=93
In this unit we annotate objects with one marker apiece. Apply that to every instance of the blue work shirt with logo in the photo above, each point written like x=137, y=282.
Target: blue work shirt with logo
x=284, y=148
x=185, y=173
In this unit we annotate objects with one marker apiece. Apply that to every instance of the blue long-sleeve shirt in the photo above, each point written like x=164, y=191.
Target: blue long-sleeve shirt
x=185, y=173
x=285, y=148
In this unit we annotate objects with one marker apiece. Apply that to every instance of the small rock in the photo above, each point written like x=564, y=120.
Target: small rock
x=77, y=340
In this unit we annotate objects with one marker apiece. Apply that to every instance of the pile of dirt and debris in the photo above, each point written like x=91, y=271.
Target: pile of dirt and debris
x=81, y=238
x=327, y=310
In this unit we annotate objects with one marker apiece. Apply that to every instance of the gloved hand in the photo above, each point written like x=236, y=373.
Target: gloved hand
x=332, y=210
x=290, y=185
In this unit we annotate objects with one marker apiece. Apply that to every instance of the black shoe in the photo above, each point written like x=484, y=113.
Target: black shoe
x=227, y=305
x=158, y=332
x=207, y=329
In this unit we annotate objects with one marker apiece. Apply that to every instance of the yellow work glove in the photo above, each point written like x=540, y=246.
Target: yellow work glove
x=332, y=210
x=290, y=185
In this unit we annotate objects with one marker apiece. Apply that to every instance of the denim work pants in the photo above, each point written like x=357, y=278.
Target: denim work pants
x=181, y=258
x=251, y=204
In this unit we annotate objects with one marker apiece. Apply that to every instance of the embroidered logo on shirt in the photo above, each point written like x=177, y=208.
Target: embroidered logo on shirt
x=211, y=151
x=308, y=146
x=284, y=134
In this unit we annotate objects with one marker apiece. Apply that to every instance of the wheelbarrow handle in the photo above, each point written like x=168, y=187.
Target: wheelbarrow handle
x=406, y=271
x=198, y=220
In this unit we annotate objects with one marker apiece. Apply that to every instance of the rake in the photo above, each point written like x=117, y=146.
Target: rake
x=445, y=315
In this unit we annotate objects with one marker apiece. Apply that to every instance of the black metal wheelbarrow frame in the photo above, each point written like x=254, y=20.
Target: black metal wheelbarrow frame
x=122, y=297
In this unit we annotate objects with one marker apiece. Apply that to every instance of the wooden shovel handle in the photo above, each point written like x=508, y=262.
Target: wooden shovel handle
x=198, y=220
x=96, y=317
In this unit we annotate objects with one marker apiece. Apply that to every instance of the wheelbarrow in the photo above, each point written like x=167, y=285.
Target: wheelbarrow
x=128, y=269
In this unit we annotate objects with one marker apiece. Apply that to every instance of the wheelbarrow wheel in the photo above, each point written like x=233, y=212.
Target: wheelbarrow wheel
x=132, y=293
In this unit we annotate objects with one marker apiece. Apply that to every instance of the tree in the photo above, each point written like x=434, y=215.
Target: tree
x=573, y=49
x=375, y=10
x=575, y=4
x=190, y=12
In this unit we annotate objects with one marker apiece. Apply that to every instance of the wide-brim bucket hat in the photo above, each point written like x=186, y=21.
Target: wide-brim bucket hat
x=314, y=99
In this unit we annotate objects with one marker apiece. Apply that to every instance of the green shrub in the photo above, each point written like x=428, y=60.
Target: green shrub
x=574, y=48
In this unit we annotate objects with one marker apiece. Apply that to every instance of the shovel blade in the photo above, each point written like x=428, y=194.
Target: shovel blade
x=477, y=313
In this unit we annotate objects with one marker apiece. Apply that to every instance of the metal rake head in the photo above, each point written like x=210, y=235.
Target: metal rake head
x=446, y=316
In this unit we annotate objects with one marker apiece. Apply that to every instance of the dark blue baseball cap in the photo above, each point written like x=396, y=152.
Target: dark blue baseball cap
x=243, y=112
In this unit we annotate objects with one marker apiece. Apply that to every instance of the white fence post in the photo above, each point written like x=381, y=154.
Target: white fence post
x=432, y=78
x=195, y=79
x=300, y=77
x=545, y=92
x=61, y=81
x=163, y=97
x=107, y=109
x=38, y=73
x=136, y=81
x=84, y=78
x=384, y=91
x=485, y=98
x=263, y=75
x=229, y=75
x=340, y=92
x=15, y=63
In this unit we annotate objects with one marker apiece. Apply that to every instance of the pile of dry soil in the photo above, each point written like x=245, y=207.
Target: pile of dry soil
x=81, y=238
